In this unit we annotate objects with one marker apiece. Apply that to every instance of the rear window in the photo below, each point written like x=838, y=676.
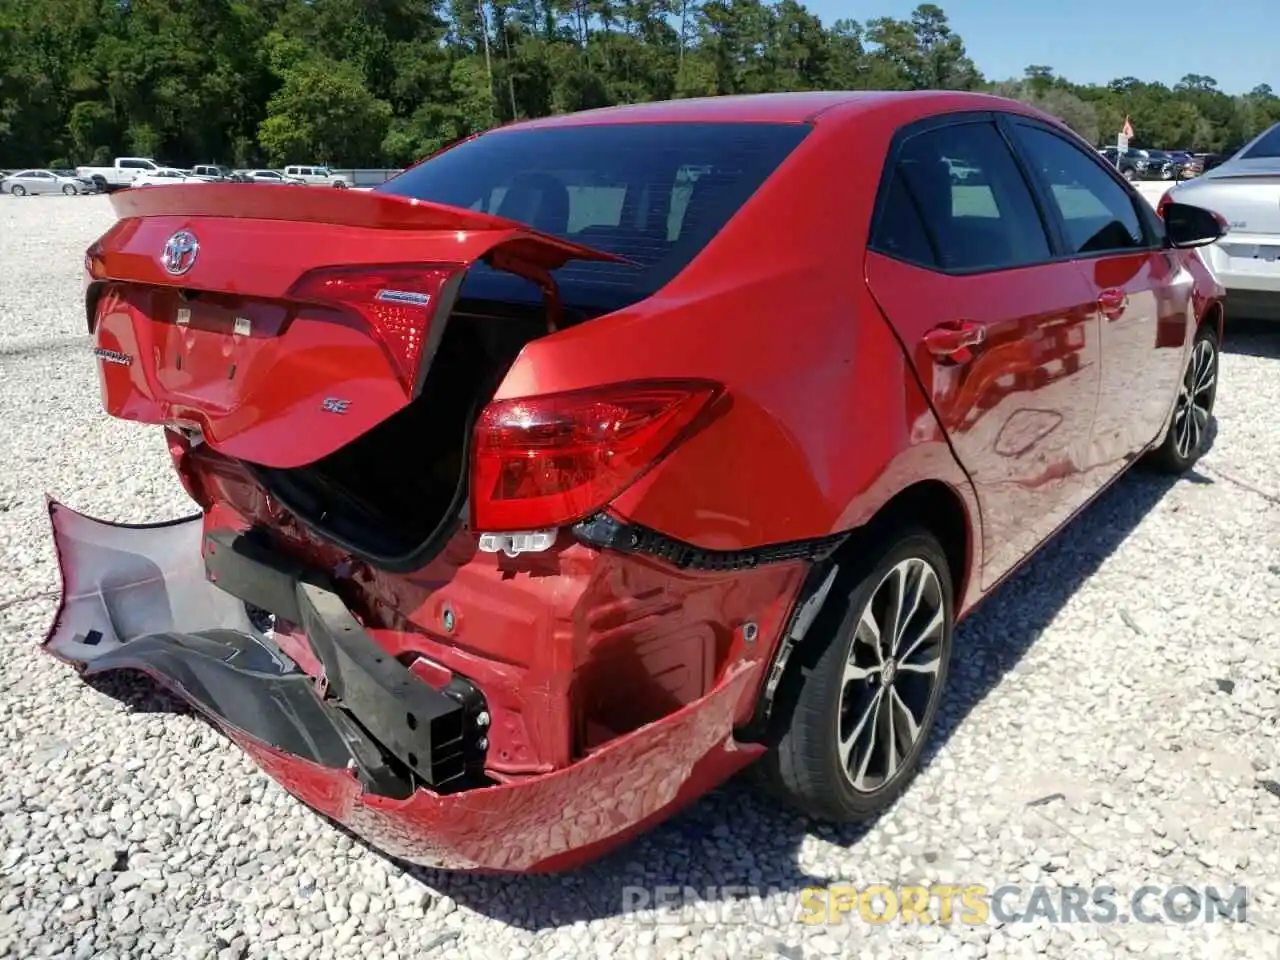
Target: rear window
x=1268, y=146
x=655, y=193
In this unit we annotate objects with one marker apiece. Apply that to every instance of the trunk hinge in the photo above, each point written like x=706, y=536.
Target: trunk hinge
x=522, y=268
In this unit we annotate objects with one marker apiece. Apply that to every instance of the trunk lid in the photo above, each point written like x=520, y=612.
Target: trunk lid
x=282, y=323
x=1245, y=193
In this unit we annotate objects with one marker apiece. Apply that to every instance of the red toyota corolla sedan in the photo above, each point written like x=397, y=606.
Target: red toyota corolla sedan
x=598, y=457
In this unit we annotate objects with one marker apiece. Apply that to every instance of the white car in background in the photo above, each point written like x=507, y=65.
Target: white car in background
x=318, y=177
x=26, y=182
x=165, y=176
x=1245, y=191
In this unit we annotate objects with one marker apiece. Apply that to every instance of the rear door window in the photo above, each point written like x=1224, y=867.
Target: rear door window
x=655, y=193
x=961, y=184
x=901, y=232
x=1097, y=213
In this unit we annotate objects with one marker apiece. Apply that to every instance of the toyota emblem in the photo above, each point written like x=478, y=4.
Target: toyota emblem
x=180, y=252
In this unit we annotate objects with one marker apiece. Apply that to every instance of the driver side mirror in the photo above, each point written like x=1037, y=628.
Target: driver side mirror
x=1187, y=226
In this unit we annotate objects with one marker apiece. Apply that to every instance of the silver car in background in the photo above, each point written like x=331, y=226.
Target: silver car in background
x=269, y=176
x=1245, y=190
x=31, y=182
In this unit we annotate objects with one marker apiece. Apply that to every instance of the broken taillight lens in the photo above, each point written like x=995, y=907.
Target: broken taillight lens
x=546, y=461
x=397, y=301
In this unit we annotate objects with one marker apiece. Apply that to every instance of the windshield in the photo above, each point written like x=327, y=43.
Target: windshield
x=655, y=193
x=1267, y=146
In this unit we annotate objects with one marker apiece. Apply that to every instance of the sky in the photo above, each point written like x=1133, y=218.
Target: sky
x=1096, y=41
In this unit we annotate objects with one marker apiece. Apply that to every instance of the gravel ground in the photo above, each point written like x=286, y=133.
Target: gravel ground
x=1112, y=721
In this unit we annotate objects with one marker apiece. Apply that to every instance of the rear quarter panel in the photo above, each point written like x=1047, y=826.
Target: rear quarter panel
x=824, y=421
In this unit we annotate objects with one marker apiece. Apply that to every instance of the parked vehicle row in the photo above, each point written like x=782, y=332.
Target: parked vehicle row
x=1149, y=164
x=146, y=172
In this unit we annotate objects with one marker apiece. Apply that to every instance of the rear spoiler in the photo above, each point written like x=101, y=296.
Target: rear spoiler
x=355, y=208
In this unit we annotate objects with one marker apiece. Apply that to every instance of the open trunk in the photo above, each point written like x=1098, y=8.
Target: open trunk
x=395, y=493
x=322, y=340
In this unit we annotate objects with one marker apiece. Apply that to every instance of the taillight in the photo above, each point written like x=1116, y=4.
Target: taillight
x=397, y=301
x=546, y=461
x=95, y=266
x=1164, y=202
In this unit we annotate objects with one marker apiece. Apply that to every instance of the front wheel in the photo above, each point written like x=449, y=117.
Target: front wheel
x=69, y=190
x=1130, y=175
x=868, y=685
x=18, y=190
x=1185, y=441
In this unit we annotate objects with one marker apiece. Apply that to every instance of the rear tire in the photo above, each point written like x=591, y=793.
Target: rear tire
x=866, y=674
x=1184, y=441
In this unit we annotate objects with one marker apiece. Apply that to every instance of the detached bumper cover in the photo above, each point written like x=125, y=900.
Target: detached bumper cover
x=139, y=598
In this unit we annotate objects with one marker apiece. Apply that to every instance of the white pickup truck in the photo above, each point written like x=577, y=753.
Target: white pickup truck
x=120, y=174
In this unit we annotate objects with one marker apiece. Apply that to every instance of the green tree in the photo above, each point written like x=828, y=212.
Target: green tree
x=387, y=81
x=324, y=112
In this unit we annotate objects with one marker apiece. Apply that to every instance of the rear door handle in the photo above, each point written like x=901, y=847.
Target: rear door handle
x=1112, y=303
x=954, y=342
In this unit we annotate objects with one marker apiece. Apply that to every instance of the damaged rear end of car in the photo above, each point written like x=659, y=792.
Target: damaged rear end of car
x=404, y=594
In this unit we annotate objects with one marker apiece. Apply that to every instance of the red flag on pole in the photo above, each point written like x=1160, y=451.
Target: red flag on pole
x=1128, y=129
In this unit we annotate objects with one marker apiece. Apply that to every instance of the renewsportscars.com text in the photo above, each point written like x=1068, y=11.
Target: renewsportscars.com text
x=967, y=903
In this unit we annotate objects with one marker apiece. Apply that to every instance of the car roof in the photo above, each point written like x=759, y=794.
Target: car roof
x=802, y=107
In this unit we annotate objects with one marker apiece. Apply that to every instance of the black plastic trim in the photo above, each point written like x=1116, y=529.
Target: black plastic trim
x=608, y=533
x=233, y=677
x=433, y=733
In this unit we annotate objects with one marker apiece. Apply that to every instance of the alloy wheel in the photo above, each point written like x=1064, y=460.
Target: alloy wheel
x=891, y=675
x=1195, y=399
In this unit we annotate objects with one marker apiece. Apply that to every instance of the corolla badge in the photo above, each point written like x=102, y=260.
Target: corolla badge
x=180, y=252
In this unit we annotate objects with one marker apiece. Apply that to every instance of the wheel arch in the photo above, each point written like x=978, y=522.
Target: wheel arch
x=932, y=504
x=1214, y=313
x=940, y=509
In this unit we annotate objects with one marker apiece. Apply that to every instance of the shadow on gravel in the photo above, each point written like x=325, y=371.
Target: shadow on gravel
x=736, y=836
x=1248, y=337
x=138, y=692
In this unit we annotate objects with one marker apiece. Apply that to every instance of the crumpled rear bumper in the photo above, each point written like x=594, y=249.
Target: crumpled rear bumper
x=140, y=598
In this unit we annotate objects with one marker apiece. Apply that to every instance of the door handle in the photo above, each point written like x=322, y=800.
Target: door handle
x=953, y=342
x=1112, y=303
